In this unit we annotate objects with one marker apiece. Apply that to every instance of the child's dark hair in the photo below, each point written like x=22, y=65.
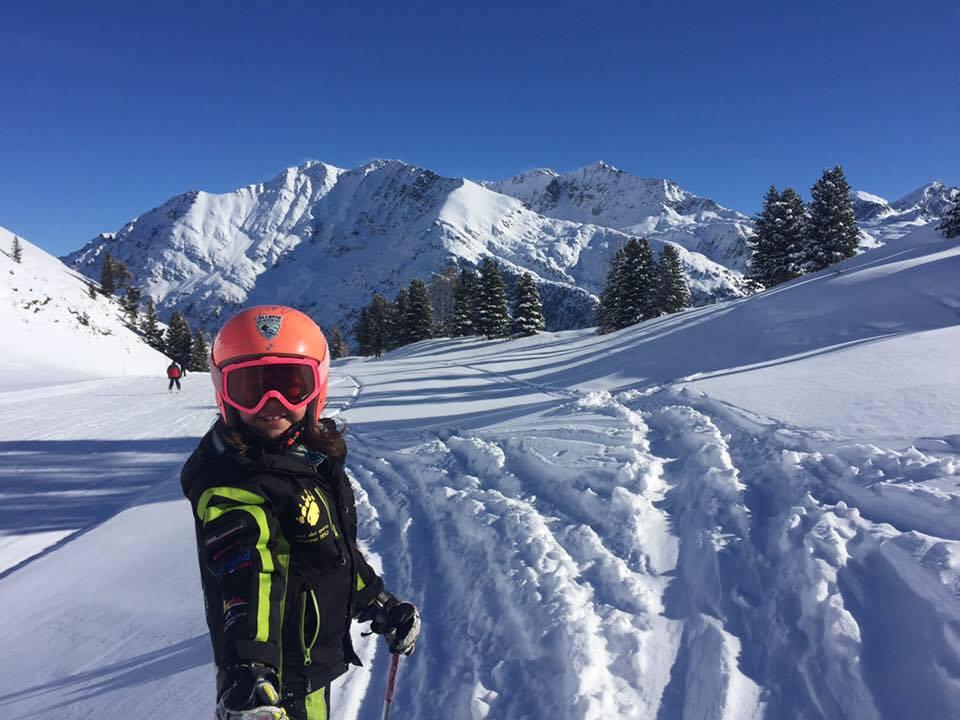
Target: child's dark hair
x=324, y=437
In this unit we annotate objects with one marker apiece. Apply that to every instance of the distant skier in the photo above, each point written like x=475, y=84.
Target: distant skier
x=174, y=372
x=276, y=526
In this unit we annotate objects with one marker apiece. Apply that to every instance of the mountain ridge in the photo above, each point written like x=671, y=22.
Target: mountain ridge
x=366, y=229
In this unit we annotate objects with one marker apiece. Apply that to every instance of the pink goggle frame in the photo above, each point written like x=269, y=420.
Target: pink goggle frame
x=268, y=361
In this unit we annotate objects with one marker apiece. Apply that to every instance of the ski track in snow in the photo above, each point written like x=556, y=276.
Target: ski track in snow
x=659, y=554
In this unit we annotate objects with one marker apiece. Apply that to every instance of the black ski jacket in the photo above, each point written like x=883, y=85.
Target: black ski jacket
x=281, y=573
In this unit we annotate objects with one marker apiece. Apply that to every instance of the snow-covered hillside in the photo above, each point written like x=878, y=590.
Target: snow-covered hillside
x=324, y=239
x=53, y=331
x=882, y=221
x=652, y=208
x=744, y=511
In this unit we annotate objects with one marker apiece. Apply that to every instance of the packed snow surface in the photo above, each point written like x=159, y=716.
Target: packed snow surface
x=743, y=511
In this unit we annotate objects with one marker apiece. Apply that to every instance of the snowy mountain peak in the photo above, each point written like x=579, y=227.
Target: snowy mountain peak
x=931, y=199
x=657, y=208
x=599, y=166
x=882, y=221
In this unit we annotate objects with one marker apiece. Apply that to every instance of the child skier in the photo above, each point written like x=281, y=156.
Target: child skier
x=276, y=526
x=174, y=372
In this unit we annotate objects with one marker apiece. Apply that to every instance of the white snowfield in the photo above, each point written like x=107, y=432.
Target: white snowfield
x=53, y=331
x=749, y=510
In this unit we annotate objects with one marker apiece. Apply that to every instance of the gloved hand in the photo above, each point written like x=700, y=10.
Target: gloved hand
x=398, y=622
x=251, y=693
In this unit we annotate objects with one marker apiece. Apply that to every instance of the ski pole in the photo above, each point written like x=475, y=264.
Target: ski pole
x=391, y=684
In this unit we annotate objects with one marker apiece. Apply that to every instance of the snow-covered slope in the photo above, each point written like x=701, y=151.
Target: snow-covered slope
x=653, y=208
x=743, y=511
x=882, y=221
x=53, y=331
x=325, y=239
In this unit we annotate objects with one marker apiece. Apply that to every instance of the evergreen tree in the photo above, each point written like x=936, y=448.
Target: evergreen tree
x=396, y=334
x=108, y=282
x=465, y=304
x=441, y=289
x=673, y=290
x=199, y=354
x=362, y=331
x=131, y=303
x=16, y=250
x=950, y=225
x=121, y=275
x=418, y=317
x=792, y=220
x=638, y=284
x=608, y=311
x=379, y=315
x=150, y=327
x=832, y=232
x=338, y=346
x=91, y=289
x=764, y=242
x=493, y=318
x=179, y=340
x=527, y=308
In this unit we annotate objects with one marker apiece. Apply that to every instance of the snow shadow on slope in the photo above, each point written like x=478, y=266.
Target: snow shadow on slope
x=140, y=670
x=73, y=484
x=909, y=649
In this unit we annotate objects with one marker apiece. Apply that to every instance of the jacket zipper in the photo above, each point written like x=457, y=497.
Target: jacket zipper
x=306, y=647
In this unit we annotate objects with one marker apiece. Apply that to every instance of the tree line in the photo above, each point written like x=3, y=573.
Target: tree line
x=178, y=341
x=639, y=287
x=456, y=303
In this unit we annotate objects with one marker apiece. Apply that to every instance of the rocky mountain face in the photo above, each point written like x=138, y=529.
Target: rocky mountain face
x=882, y=221
x=324, y=239
x=652, y=208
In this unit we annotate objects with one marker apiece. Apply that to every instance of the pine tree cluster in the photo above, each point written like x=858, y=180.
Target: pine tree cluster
x=455, y=303
x=638, y=287
x=791, y=239
x=16, y=250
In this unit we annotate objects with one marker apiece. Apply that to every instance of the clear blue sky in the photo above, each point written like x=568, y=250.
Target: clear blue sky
x=109, y=108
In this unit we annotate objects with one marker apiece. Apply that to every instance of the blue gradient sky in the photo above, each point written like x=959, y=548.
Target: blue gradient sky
x=107, y=109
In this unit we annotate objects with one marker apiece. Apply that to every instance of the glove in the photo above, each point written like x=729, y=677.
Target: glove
x=251, y=694
x=398, y=622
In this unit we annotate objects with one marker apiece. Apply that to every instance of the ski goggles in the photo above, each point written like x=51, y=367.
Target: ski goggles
x=247, y=386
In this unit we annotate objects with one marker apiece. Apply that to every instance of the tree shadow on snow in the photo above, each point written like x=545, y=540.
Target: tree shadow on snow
x=50, y=485
x=133, y=672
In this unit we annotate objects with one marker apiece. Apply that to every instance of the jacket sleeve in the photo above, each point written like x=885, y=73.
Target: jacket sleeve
x=367, y=584
x=244, y=561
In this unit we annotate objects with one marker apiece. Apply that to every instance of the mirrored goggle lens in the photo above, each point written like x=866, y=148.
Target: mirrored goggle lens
x=246, y=386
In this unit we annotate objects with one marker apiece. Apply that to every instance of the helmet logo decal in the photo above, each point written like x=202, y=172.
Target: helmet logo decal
x=269, y=325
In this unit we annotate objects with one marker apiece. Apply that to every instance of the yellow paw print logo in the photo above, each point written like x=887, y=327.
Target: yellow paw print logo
x=309, y=510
